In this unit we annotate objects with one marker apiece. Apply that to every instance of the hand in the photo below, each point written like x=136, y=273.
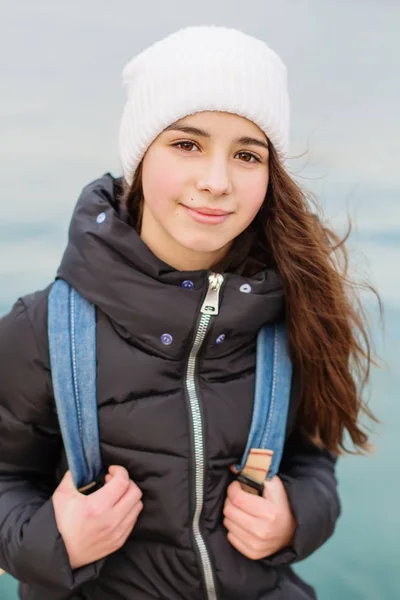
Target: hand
x=97, y=525
x=259, y=526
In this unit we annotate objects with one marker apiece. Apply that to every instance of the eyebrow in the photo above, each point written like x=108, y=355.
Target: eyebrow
x=246, y=140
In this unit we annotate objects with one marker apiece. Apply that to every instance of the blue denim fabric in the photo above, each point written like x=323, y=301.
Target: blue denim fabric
x=72, y=343
x=272, y=395
x=72, y=340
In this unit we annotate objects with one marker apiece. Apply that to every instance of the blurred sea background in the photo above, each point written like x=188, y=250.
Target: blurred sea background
x=61, y=101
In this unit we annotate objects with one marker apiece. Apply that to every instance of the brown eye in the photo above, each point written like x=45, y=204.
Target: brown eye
x=186, y=146
x=248, y=157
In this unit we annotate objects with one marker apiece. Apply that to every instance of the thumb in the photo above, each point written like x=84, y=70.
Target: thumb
x=67, y=485
x=274, y=490
x=233, y=490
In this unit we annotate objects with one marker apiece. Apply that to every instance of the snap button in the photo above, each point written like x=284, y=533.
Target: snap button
x=166, y=339
x=187, y=284
x=220, y=338
x=245, y=288
x=101, y=217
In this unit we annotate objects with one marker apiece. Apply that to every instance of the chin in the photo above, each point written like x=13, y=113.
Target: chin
x=203, y=245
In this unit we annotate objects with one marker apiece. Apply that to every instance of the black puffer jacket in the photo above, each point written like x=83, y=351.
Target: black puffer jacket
x=146, y=425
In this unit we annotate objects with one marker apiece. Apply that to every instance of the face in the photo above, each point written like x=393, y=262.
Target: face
x=204, y=180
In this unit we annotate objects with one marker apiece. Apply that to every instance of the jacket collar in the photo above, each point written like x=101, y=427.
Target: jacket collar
x=109, y=264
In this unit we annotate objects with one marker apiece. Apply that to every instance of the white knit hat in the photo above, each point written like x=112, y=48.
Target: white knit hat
x=202, y=69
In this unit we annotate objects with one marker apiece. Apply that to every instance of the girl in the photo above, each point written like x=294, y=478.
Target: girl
x=205, y=203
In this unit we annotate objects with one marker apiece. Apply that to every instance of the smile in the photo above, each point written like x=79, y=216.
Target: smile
x=209, y=216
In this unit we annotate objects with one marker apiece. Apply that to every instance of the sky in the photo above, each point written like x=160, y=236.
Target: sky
x=62, y=99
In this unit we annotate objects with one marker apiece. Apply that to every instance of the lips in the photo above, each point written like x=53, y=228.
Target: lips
x=213, y=212
x=207, y=215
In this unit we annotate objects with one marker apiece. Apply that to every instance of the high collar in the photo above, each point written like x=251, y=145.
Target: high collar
x=109, y=264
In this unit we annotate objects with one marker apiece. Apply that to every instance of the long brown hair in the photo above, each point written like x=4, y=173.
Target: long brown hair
x=327, y=326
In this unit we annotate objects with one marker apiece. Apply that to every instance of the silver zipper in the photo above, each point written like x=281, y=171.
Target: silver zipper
x=209, y=308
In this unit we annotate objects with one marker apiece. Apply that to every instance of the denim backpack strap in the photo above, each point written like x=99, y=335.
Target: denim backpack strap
x=72, y=344
x=266, y=439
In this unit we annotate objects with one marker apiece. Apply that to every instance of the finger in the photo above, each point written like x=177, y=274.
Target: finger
x=114, y=469
x=137, y=509
x=66, y=484
x=269, y=513
x=111, y=492
x=233, y=489
x=249, y=503
x=274, y=490
x=255, y=526
x=131, y=517
x=237, y=531
x=128, y=502
x=244, y=549
x=247, y=538
x=127, y=525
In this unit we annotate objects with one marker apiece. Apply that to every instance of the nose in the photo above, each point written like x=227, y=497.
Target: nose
x=215, y=178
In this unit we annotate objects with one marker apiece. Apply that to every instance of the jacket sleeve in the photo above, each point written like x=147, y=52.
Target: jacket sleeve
x=31, y=548
x=308, y=474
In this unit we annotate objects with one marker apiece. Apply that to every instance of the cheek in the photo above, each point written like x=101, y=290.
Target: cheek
x=161, y=181
x=252, y=195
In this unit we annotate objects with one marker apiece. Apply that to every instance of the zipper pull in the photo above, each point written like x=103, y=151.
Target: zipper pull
x=211, y=301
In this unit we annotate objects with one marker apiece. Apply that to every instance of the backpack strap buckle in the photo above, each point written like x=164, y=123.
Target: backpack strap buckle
x=255, y=471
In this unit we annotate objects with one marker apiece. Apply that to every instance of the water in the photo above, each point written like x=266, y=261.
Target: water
x=60, y=106
x=361, y=560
